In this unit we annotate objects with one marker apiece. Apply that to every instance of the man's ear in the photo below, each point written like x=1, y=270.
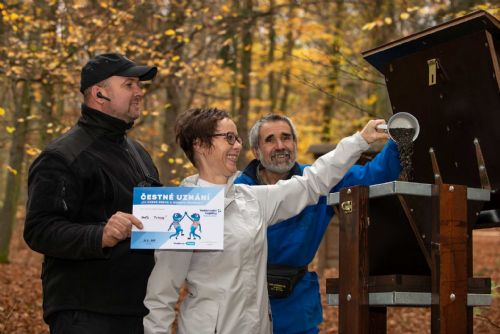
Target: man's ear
x=93, y=92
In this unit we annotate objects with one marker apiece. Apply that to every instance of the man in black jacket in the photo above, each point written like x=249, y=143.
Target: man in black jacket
x=79, y=205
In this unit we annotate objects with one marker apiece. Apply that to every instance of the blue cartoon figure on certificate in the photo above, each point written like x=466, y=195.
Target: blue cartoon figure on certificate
x=176, y=223
x=195, y=219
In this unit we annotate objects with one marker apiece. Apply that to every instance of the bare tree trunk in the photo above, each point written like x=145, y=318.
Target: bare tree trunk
x=3, y=154
x=47, y=119
x=259, y=86
x=60, y=104
x=174, y=90
x=329, y=104
x=13, y=182
x=246, y=68
x=376, y=9
x=383, y=107
x=287, y=57
x=270, y=59
x=234, y=85
x=235, y=64
x=46, y=11
x=168, y=166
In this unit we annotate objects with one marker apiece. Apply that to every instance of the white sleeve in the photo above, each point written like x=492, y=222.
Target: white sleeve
x=288, y=198
x=167, y=277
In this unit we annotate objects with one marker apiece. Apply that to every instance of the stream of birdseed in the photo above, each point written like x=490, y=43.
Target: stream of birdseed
x=404, y=140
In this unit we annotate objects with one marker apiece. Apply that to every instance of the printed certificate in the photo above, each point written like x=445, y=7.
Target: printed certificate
x=179, y=218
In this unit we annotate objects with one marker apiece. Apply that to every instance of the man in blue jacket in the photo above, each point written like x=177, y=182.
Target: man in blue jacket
x=293, y=243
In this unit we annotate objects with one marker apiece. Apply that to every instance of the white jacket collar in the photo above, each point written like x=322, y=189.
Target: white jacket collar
x=192, y=181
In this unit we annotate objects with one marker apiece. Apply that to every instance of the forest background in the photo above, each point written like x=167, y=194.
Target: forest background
x=301, y=58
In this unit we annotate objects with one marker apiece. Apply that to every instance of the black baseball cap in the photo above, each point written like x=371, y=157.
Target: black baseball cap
x=107, y=65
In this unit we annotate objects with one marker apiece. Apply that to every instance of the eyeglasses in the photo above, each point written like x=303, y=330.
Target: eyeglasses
x=230, y=137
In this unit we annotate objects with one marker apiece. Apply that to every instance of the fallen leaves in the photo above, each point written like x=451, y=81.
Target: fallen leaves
x=20, y=291
x=21, y=296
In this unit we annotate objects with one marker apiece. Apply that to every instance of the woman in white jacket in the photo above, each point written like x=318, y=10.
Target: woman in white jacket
x=227, y=290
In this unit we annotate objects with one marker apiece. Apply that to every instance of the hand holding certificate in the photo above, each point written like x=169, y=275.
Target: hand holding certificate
x=179, y=218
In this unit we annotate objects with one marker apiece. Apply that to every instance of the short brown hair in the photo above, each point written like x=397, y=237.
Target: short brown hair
x=197, y=123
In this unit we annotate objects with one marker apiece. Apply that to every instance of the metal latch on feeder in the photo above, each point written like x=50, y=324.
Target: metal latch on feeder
x=433, y=65
x=346, y=207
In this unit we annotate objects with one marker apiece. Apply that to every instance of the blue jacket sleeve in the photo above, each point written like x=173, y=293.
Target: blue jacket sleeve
x=385, y=167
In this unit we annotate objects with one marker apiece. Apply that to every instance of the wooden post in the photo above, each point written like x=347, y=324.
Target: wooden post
x=450, y=263
x=378, y=320
x=353, y=261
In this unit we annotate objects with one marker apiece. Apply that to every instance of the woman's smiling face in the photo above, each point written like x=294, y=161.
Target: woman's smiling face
x=218, y=163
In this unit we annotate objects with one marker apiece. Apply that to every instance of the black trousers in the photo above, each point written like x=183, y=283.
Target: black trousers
x=83, y=322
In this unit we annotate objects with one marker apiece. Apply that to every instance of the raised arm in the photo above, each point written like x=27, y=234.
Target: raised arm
x=384, y=167
x=289, y=197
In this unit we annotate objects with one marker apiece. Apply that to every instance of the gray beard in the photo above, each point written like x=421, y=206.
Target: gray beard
x=278, y=169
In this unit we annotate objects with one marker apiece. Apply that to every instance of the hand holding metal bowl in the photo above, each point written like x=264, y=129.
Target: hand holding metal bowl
x=401, y=125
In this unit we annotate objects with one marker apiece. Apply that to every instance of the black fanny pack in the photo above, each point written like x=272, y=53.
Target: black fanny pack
x=282, y=279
